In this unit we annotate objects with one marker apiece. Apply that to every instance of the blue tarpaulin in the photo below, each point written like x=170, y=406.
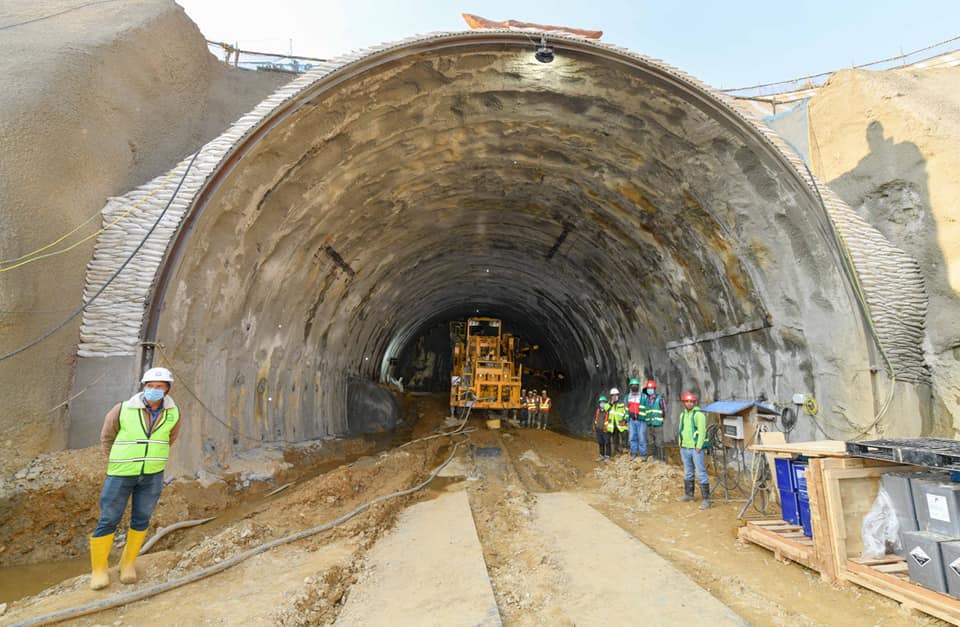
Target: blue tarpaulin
x=732, y=408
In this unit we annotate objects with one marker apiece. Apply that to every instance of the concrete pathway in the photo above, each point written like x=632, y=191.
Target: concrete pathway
x=614, y=579
x=428, y=571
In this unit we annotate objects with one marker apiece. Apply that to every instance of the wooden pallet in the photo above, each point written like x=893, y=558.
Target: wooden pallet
x=784, y=539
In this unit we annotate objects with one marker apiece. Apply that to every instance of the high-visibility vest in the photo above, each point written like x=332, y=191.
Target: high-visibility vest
x=653, y=409
x=693, y=428
x=138, y=450
x=532, y=404
x=544, y=403
x=635, y=405
x=616, y=415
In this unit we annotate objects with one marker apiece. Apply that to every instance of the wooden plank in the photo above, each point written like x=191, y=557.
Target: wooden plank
x=817, y=448
x=873, y=561
x=898, y=567
x=822, y=539
x=909, y=594
x=764, y=523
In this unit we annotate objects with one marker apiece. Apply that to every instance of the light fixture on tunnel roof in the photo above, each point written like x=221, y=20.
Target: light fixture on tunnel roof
x=544, y=53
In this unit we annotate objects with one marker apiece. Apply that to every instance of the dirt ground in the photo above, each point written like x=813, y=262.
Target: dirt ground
x=307, y=581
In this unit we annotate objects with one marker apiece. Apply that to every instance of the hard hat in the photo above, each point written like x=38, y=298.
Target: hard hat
x=688, y=396
x=634, y=381
x=602, y=399
x=651, y=384
x=543, y=391
x=614, y=391
x=157, y=374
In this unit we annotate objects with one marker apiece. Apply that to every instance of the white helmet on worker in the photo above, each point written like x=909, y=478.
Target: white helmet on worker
x=157, y=374
x=614, y=391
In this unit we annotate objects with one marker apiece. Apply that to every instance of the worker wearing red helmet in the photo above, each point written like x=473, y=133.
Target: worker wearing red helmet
x=693, y=437
x=654, y=411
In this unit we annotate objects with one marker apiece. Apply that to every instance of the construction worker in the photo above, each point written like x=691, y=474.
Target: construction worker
x=600, y=428
x=655, y=408
x=533, y=406
x=524, y=414
x=693, y=438
x=544, y=414
x=136, y=436
x=637, y=424
x=617, y=416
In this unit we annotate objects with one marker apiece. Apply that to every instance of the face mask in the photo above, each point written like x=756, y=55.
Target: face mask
x=649, y=392
x=152, y=394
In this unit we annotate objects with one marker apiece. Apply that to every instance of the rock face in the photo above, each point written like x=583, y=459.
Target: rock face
x=93, y=101
x=887, y=142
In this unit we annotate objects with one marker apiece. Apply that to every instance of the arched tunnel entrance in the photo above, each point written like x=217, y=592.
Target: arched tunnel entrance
x=612, y=209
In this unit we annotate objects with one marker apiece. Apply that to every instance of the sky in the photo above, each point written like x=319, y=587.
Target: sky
x=726, y=44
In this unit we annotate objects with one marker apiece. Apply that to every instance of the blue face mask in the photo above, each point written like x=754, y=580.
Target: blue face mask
x=152, y=394
x=649, y=391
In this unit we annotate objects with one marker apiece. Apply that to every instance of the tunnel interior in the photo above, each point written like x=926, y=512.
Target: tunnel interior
x=627, y=223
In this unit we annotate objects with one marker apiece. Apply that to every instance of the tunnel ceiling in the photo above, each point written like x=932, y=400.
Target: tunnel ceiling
x=607, y=201
x=582, y=194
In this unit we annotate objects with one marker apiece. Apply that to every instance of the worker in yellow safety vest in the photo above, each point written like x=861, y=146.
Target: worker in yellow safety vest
x=693, y=440
x=136, y=436
x=544, y=411
x=533, y=406
x=617, y=421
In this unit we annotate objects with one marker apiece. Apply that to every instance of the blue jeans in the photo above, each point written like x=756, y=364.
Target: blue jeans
x=638, y=437
x=145, y=490
x=692, y=458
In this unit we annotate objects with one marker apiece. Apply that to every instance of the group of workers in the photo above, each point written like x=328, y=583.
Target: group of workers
x=535, y=409
x=638, y=423
x=137, y=435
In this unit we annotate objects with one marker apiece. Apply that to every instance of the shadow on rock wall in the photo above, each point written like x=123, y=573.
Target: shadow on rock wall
x=889, y=189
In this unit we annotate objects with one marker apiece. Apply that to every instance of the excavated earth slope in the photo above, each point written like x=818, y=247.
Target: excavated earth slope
x=95, y=98
x=888, y=143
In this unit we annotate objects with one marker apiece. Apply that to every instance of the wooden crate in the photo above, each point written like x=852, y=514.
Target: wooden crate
x=849, y=487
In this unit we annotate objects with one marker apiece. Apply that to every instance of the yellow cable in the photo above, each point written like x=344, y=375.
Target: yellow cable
x=30, y=257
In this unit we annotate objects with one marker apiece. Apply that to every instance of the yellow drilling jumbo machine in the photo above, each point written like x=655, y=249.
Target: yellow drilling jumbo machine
x=485, y=372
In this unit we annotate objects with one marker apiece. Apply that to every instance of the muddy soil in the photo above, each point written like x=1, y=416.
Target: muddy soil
x=306, y=582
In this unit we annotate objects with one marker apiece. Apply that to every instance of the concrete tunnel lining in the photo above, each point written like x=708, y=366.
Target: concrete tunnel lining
x=371, y=206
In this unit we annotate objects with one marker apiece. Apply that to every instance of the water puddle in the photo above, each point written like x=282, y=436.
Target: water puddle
x=17, y=582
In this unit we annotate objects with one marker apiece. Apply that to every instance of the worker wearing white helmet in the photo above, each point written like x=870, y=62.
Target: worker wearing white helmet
x=617, y=417
x=136, y=436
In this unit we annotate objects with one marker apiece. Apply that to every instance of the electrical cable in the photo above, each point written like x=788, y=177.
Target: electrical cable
x=47, y=17
x=212, y=413
x=113, y=277
x=851, y=271
x=30, y=257
x=154, y=590
x=855, y=67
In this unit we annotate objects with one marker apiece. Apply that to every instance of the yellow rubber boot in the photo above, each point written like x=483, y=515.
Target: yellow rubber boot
x=99, y=558
x=128, y=572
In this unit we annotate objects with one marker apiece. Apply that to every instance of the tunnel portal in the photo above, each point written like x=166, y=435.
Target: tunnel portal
x=611, y=209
